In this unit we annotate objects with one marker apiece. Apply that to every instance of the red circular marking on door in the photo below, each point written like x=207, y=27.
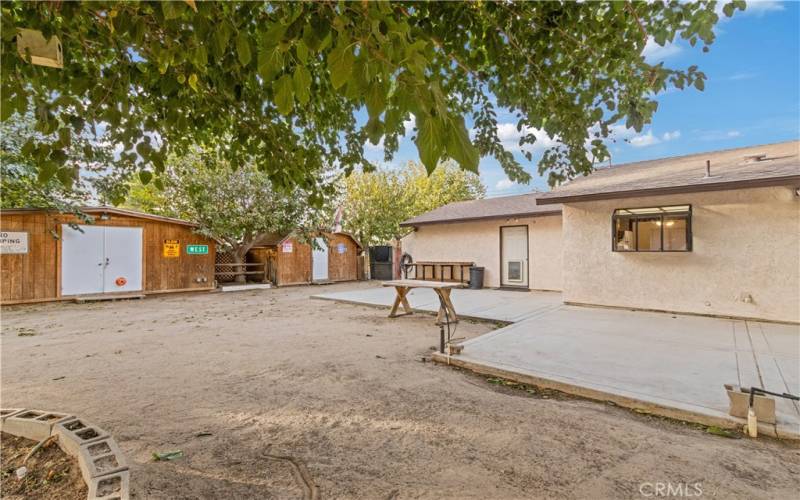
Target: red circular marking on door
x=121, y=281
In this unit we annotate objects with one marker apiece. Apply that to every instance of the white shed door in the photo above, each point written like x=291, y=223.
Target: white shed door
x=100, y=259
x=123, y=259
x=514, y=258
x=319, y=258
x=82, y=260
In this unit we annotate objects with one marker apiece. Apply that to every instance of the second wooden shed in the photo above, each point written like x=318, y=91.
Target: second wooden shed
x=293, y=262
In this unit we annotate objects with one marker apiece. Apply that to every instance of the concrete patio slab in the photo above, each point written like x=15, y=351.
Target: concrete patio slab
x=669, y=364
x=494, y=305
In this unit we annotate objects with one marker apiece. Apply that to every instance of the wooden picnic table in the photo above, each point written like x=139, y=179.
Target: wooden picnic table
x=442, y=289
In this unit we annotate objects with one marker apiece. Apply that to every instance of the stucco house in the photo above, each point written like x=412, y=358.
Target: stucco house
x=713, y=233
x=516, y=241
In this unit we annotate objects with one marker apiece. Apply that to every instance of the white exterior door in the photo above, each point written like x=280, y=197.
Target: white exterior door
x=123, y=259
x=514, y=256
x=319, y=259
x=82, y=260
x=100, y=259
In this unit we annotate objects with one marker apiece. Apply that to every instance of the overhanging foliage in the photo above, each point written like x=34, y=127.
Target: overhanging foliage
x=284, y=80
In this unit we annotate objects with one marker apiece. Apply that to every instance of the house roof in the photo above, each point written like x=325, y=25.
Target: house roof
x=101, y=210
x=523, y=205
x=730, y=169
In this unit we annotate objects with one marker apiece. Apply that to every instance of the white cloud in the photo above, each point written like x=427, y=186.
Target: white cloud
x=509, y=136
x=374, y=147
x=716, y=135
x=504, y=184
x=644, y=140
x=754, y=8
x=655, y=53
x=669, y=136
x=410, y=124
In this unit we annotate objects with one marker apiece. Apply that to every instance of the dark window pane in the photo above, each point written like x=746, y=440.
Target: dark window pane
x=623, y=235
x=675, y=233
x=648, y=232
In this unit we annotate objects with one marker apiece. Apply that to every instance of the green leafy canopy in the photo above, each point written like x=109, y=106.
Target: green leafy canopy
x=375, y=203
x=284, y=81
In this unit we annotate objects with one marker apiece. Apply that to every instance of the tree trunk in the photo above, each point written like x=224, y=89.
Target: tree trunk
x=239, y=270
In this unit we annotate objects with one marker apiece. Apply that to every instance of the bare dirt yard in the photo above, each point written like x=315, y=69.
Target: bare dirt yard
x=237, y=379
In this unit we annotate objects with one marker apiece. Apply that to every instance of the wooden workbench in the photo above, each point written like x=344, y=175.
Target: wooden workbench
x=442, y=289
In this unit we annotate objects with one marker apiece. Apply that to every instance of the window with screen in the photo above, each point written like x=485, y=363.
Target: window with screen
x=653, y=229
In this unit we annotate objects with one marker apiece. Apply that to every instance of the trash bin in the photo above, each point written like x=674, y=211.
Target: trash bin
x=475, y=278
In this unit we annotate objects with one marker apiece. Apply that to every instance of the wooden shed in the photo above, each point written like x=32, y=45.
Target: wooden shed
x=292, y=262
x=47, y=256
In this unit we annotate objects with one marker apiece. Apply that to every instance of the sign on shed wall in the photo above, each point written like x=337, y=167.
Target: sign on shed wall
x=172, y=248
x=197, y=249
x=13, y=242
x=287, y=247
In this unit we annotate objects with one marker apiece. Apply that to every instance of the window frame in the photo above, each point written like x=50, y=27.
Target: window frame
x=615, y=216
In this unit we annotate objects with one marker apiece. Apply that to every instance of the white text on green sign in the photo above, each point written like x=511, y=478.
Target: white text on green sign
x=197, y=249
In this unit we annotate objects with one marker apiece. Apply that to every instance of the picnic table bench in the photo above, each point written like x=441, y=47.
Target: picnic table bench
x=441, y=288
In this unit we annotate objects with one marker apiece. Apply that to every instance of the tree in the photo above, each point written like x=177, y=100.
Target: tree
x=285, y=80
x=375, y=203
x=83, y=178
x=234, y=206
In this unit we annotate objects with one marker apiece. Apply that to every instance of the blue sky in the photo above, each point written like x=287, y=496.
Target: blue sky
x=752, y=96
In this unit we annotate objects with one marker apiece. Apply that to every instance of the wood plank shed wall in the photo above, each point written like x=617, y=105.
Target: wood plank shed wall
x=294, y=268
x=342, y=266
x=36, y=276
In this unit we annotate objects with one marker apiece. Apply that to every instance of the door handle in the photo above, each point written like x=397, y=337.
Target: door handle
x=107, y=260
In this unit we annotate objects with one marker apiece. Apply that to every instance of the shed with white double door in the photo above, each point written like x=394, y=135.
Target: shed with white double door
x=48, y=255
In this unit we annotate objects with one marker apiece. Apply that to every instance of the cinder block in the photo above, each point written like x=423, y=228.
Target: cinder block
x=115, y=486
x=74, y=433
x=8, y=412
x=33, y=424
x=100, y=458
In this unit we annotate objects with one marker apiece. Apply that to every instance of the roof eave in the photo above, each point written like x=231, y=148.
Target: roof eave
x=685, y=189
x=478, y=219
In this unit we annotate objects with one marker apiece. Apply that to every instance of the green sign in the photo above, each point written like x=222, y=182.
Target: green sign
x=197, y=249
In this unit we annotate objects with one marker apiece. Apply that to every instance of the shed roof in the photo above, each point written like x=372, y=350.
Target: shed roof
x=272, y=239
x=102, y=210
x=730, y=169
x=523, y=205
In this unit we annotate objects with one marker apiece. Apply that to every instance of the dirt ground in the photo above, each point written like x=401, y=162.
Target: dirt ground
x=52, y=474
x=232, y=379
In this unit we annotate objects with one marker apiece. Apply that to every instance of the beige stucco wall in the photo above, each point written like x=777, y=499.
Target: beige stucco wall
x=479, y=242
x=744, y=242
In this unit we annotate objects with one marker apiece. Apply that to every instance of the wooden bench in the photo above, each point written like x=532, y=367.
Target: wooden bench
x=441, y=266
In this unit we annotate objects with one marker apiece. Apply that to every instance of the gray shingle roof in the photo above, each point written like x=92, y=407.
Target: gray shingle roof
x=684, y=174
x=523, y=205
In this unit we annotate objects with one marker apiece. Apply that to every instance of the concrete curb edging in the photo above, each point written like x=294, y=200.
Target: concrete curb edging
x=634, y=403
x=102, y=464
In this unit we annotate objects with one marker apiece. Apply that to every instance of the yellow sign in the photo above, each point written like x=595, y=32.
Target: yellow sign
x=172, y=248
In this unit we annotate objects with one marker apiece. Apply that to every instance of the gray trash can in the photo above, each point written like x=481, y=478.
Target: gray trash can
x=475, y=278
